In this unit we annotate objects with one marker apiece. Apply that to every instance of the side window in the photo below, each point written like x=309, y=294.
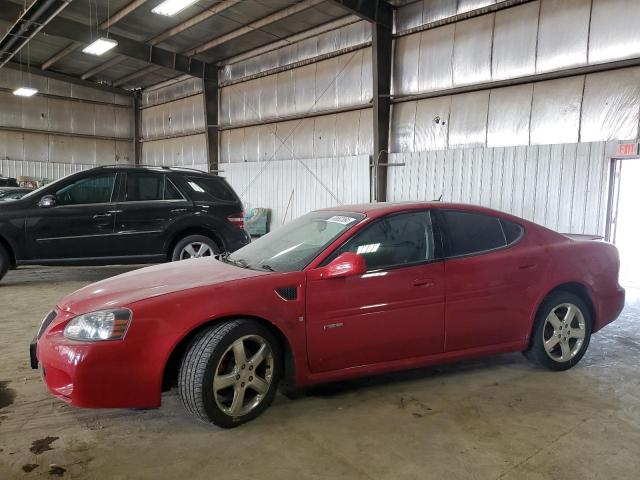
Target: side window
x=212, y=187
x=512, y=231
x=470, y=232
x=171, y=192
x=143, y=187
x=95, y=189
x=392, y=241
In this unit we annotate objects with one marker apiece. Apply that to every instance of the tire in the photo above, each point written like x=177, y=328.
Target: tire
x=211, y=358
x=566, y=341
x=5, y=262
x=194, y=246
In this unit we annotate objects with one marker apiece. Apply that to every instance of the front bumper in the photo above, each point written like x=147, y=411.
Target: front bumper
x=108, y=374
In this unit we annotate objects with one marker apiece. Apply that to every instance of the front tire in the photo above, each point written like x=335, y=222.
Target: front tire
x=561, y=332
x=194, y=246
x=230, y=372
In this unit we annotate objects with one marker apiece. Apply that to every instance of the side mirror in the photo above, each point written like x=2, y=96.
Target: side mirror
x=348, y=264
x=48, y=201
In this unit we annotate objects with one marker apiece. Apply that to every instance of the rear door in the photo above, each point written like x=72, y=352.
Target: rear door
x=489, y=282
x=80, y=225
x=147, y=206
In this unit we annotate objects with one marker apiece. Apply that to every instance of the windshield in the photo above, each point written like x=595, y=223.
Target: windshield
x=293, y=246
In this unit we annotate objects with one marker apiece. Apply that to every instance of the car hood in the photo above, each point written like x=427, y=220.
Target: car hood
x=125, y=289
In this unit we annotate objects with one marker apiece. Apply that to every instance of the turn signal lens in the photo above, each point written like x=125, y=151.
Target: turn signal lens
x=237, y=219
x=100, y=325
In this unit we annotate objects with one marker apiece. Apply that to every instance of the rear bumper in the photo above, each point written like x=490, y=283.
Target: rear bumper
x=610, y=307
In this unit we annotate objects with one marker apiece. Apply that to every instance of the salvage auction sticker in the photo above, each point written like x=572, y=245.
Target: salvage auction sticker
x=341, y=220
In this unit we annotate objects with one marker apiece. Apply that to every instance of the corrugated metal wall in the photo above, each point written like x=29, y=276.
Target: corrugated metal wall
x=292, y=188
x=561, y=186
x=68, y=124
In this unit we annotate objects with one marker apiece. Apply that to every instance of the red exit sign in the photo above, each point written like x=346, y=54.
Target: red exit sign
x=627, y=149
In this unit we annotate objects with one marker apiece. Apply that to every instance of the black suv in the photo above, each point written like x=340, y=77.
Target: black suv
x=119, y=215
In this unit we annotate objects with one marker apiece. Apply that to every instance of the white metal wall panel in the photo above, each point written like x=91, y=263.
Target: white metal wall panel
x=562, y=186
x=292, y=188
x=563, y=34
x=468, y=5
x=188, y=151
x=514, y=41
x=509, y=114
x=435, y=64
x=432, y=124
x=611, y=105
x=405, y=71
x=468, y=119
x=555, y=116
x=190, y=86
x=472, y=50
x=182, y=116
x=403, y=122
x=614, y=33
x=48, y=171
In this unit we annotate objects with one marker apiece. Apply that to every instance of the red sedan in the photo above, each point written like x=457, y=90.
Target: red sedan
x=335, y=294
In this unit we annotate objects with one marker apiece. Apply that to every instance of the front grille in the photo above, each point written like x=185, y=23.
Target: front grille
x=46, y=322
x=287, y=293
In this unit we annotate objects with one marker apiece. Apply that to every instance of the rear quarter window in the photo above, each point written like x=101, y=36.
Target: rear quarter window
x=214, y=188
x=512, y=231
x=471, y=232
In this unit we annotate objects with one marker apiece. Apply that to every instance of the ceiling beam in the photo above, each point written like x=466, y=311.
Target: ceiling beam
x=256, y=25
x=78, y=32
x=48, y=63
x=132, y=76
x=120, y=14
x=377, y=11
x=171, y=32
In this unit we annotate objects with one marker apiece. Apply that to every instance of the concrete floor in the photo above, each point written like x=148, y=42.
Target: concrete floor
x=494, y=418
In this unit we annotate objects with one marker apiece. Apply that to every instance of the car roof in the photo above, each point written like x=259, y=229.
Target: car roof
x=384, y=208
x=153, y=168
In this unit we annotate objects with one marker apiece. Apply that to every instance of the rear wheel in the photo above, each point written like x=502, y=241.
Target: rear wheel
x=5, y=263
x=194, y=246
x=561, y=332
x=230, y=373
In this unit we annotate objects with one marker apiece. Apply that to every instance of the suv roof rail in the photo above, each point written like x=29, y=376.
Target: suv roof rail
x=157, y=167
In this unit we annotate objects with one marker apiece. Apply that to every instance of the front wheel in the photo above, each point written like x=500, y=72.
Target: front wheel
x=561, y=332
x=194, y=246
x=230, y=373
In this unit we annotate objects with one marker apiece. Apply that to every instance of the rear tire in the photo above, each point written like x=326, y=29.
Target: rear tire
x=5, y=262
x=561, y=332
x=194, y=246
x=230, y=372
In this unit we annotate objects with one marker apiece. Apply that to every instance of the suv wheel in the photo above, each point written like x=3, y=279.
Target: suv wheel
x=194, y=246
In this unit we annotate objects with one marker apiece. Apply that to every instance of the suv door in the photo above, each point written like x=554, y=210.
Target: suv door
x=80, y=225
x=394, y=311
x=489, y=287
x=149, y=203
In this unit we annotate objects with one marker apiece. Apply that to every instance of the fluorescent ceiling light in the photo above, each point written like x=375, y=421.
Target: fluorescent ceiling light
x=100, y=46
x=171, y=7
x=25, y=92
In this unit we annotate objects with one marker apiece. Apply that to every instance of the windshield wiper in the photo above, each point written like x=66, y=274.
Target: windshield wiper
x=238, y=263
x=269, y=268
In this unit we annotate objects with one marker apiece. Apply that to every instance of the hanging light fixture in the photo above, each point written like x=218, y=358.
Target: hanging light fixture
x=169, y=8
x=25, y=92
x=100, y=46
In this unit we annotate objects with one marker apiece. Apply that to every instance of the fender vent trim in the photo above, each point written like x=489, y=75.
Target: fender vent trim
x=288, y=293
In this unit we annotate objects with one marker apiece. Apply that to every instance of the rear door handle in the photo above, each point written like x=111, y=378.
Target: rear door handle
x=178, y=210
x=424, y=282
x=101, y=215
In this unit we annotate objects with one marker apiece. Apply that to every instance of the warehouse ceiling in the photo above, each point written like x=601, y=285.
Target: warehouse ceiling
x=151, y=48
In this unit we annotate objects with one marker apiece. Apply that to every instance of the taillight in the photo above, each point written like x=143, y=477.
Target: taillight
x=237, y=219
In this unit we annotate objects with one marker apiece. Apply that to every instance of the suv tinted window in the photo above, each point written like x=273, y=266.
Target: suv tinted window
x=144, y=187
x=394, y=240
x=470, y=232
x=213, y=187
x=512, y=231
x=95, y=189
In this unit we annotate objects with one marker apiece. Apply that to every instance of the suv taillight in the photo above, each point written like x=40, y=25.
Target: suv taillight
x=237, y=219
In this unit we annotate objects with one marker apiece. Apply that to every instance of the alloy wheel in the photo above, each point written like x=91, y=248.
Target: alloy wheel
x=196, y=250
x=243, y=375
x=564, y=332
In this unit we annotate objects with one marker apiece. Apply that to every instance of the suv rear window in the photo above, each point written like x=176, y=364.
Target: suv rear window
x=212, y=186
x=470, y=232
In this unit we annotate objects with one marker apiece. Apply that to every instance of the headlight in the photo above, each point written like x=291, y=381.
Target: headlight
x=100, y=325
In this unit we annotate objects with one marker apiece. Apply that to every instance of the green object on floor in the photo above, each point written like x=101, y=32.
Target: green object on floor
x=257, y=221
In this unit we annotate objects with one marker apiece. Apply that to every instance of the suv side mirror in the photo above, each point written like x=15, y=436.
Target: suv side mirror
x=48, y=201
x=348, y=264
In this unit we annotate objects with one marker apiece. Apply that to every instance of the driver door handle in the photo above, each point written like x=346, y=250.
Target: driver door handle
x=424, y=282
x=102, y=215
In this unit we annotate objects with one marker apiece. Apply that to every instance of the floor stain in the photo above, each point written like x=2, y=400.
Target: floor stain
x=42, y=445
x=56, y=471
x=29, y=467
x=7, y=395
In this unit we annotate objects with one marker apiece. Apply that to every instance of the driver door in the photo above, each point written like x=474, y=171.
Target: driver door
x=81, y=223
x=392, y=312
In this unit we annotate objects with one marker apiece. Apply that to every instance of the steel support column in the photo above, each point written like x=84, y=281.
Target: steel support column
x=381, y=64
x=210, y=98
x=137, y=124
